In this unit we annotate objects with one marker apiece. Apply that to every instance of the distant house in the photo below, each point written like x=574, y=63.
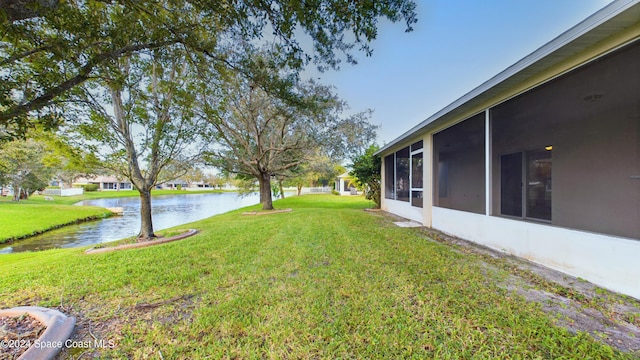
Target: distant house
x=541, y=161
x=174, y=184
x=106, y=183
x=345, y=184
x=186, y=185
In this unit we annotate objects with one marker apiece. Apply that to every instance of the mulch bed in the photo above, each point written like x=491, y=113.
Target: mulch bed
x=17, y=334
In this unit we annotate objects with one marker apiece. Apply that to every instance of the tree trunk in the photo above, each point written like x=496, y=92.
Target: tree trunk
x=281, y=189
x=146, y=225
x=299, y=190
x=265, y=191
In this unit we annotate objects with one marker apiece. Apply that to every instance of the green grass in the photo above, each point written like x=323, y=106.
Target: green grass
x=326, y=280
x=36, y=215
x=111, y=194
x=22, y=219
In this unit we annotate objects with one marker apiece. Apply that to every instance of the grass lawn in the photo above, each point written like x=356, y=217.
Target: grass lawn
x=114, y=194
x=326, y=280
x=36, y=215
x=26, y=218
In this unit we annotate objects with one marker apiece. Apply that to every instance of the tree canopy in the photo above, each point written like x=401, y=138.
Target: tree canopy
x=142, y=124
x=49, y=47
x=263, y=136
x=22, y=165
x=366, y=169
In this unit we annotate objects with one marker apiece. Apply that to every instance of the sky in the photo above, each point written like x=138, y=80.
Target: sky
x=455, y=46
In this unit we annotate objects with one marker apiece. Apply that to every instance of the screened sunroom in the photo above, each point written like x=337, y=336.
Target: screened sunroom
x=541, y=161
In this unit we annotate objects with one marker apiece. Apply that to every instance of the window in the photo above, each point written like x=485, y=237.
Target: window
x=534, y=194
x=404, y=174
x=459, y=166
x=416, y=176
x=539, y=184
x=389, y=178
x=511, y=180
x=567, y=152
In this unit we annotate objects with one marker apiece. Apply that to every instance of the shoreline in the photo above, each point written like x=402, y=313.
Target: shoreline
x=55, y=227
x=74, y=200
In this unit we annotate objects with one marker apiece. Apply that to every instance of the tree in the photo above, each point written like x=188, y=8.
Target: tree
x=69, y=161
x=366, y=169
x=49, y=48
x=263, y=136
x=318, y=169
x=142, y=124
x=22, y=166
x=194, y=175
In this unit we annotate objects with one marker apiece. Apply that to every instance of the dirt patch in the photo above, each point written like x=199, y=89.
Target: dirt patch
x=574, y=304
x=17, y=334
x=107, y=331
x=266, y=212
x=186, y=234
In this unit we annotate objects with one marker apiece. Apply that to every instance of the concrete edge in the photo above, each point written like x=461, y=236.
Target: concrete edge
x=53, y=339
x=190, y=232
x=268, y=212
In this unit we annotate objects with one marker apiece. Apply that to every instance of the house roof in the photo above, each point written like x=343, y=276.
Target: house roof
x=611, y=19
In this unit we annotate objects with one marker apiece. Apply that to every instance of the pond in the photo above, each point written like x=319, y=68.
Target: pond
x=168, y=211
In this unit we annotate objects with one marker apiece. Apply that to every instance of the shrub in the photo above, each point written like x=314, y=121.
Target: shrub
x=91, y=187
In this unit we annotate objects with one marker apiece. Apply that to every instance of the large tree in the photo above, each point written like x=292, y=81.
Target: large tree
x=142, y=125
x=50, y=47
x=22, y=166
x=262, y=136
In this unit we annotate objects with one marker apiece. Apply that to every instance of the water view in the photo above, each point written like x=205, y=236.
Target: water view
x=168, y=211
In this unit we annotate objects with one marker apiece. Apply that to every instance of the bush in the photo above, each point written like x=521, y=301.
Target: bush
x=335, y=192
x=91, y=187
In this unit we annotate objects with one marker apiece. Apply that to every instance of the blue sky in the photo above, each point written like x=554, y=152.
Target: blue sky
x=455, y=46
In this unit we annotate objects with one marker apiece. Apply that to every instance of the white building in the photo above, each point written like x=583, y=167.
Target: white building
x=541, y=161
x=106, y=183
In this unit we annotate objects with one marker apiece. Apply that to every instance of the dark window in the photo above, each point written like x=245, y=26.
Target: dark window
x=539, y=184
x=389, y=180
x=402, y=175
x=416, y=170
x=416, y=198
x=577, y=140
x=459, y=166
x=511, y=180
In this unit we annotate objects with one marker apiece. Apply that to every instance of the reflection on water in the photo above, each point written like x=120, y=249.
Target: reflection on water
x=168, y=211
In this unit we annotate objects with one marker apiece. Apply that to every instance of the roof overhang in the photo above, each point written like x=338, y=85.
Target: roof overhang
x=612, y=19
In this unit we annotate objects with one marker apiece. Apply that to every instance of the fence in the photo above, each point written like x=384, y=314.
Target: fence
x=63, y=192
x=316, y=190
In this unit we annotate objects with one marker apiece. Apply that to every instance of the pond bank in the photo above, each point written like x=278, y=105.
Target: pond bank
x=23, y=220
x=57, y=226
x=167, y=211
x=34, y=216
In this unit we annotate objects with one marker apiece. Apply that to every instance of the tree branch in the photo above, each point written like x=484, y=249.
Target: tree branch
x=82, y=75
